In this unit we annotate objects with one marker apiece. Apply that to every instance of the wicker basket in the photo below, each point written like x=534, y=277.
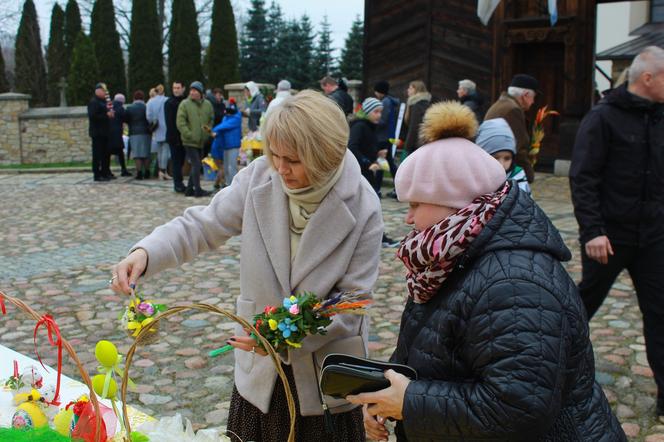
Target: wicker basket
x=216, y=311
x=145, y=338
x=84, y=374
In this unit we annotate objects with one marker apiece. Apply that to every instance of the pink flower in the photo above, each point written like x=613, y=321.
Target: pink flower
x=146, y=309
x=294, y=309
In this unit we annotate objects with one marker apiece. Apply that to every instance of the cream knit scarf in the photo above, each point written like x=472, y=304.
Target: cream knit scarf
x=302, y=204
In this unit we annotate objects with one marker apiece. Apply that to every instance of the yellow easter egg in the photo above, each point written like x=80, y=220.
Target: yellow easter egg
x=106, y=353
x=62, y=421
x=98, y=386
x=29, y=415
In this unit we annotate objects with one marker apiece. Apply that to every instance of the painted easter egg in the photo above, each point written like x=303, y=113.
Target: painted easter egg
x=28, y=415
x=98, y=386
x=106, y=353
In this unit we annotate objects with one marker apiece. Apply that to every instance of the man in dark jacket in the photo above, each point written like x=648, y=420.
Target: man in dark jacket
x=388, y=121
x=512, y=106
x=99, y=116
x=617, y=181
x=173, y=134
x=331, y=88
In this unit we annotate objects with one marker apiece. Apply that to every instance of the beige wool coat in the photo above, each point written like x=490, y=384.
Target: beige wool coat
x=339, y=250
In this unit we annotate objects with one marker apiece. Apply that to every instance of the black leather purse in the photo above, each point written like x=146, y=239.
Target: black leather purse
x=342, y=375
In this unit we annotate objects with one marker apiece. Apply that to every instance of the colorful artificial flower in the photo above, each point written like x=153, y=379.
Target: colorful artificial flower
x=139, y=314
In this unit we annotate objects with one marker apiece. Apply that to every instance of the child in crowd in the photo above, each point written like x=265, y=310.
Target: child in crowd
x=497, y=139
x=226, y=146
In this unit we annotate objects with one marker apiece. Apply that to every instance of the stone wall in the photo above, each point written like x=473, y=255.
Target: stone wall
x=11, y=106
x=55, y=135
x=42, y=135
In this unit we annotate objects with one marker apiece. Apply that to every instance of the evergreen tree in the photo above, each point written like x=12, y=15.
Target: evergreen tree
x=83, y=72
x=72, y=28
x=184, y=44
x=275, y=28
x=223, y=56
x=304, y=72
x=352, y=54
x=105, y=37
x=145, y=58
x=30, y=71
x=57, y=69
x=4, y=84
x=255, y=45
x=323, y=58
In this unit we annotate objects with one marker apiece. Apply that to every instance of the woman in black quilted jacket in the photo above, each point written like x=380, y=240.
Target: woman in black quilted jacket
x=493, y=325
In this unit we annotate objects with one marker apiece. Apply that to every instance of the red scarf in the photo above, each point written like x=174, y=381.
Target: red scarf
x=430, y=255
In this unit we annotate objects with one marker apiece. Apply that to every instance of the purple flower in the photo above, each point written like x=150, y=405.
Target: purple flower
x=146, y=309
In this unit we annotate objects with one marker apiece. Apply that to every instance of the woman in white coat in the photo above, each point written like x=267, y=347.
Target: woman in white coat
x=309, y=222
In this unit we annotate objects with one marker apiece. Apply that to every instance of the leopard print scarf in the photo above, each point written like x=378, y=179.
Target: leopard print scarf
x=430, y=255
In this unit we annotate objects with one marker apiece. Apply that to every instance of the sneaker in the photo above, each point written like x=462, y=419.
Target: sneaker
x=201, y=193
x=189, y=191
x=389, y=242
x=392, y=194
x=179, y=189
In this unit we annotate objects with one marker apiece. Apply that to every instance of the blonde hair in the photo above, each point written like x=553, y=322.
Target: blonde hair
x=311, y=126
x=159, y=89
x=419, y=86
x=153, y=92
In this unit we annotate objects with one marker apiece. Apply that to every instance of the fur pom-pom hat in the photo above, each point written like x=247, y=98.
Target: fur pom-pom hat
x=449, y=170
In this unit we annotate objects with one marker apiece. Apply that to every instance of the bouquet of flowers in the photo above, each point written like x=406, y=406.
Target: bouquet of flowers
x=300, y=316
x=303, y=315
x=538, y=133
x=138, y=314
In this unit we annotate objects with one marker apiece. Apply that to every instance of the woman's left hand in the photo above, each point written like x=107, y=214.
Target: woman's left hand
x=246, y=343
x=387, y=402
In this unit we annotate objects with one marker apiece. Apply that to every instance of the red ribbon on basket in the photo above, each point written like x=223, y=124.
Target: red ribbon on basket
x=2, y=305
x=51, y=328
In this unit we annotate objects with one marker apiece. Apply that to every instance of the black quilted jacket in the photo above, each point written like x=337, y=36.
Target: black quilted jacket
x=502, y=352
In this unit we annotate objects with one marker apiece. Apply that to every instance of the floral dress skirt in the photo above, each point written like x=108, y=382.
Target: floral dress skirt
x=249, y=424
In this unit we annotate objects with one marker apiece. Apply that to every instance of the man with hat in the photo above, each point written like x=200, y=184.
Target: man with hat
x=512, y=106
x=99, y=116
x=194, y=121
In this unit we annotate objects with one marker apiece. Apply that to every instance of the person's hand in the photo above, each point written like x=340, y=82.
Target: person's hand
x=374, y=167
x=599, y=249
x=387, y=402
x=213, y=134
x=126, y=272
x=382, y=153
x=246, y=112
x=246, y=343
x=374, y=426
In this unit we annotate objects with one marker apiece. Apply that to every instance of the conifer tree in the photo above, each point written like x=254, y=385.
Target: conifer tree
x=83, y=72
x=106, y=40
x=72, y=28
x=184, y=43
x=304, y=73
x=274, y=59
x=352, y=53
x=223, y=57
x=255, y=45
x=145, y=57
x=30, y=71
x=4, y=84
x=323, y=58
x=57, y=69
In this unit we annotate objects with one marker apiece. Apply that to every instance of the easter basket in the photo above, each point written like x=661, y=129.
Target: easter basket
x=215, y=311
x=67, y=346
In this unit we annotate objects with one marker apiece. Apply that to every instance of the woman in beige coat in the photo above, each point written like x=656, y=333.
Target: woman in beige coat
x=309, y=222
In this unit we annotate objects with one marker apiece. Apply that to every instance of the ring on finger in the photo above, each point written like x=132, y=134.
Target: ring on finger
x=113, y=278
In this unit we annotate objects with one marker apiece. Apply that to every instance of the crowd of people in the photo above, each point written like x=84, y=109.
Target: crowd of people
x=493, y=325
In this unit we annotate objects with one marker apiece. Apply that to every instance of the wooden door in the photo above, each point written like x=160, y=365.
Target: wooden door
x=546, y=62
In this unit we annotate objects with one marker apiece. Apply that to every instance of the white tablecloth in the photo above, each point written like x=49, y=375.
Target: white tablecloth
x=70, y=389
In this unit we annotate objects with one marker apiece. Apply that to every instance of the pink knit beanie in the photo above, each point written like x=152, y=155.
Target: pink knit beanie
x=449, y=170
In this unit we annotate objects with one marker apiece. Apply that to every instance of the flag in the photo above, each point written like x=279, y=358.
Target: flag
x=553, y=12
x=485, y=9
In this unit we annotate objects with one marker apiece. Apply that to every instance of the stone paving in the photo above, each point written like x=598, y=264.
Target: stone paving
x=61, y=233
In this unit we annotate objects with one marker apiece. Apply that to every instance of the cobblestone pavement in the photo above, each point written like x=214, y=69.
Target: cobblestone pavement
x=60, y=234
